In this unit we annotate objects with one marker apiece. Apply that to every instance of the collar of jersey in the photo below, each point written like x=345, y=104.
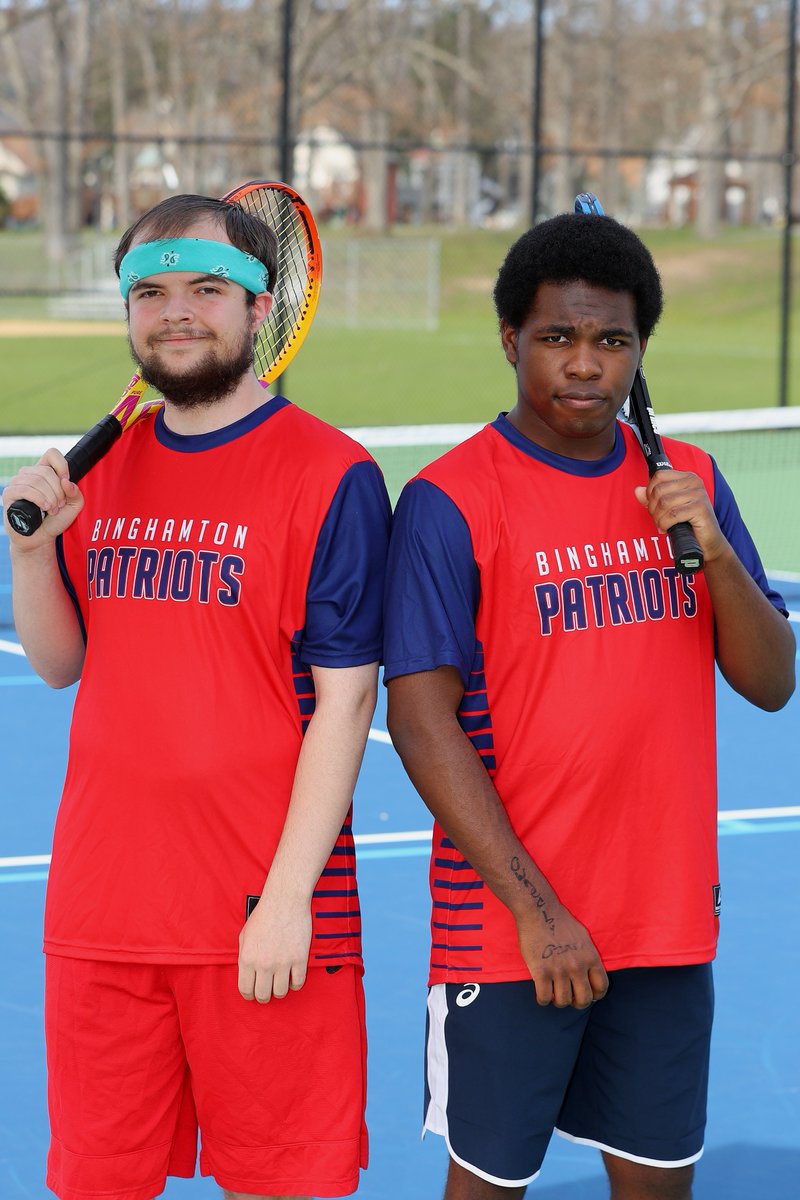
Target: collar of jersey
x=192, y=443
x=572, y=466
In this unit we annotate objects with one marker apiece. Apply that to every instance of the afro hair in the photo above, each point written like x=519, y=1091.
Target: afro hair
x=577, y=246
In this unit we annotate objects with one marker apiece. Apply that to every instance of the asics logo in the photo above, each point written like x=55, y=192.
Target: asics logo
x=467, y=994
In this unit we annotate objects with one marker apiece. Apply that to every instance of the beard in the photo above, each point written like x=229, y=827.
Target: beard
x=210, y=380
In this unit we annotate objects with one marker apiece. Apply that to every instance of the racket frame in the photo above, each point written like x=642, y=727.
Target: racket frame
x=313, y=258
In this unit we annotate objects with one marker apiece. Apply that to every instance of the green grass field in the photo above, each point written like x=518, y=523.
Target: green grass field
x=716, y=348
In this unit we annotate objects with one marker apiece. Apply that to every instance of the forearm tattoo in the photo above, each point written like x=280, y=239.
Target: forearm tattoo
x=536, y=896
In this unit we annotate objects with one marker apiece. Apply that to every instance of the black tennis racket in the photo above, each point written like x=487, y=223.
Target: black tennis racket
x=295, y=296
x=686, y=553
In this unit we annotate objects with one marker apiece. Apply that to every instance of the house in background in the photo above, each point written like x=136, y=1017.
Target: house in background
x=19, y=189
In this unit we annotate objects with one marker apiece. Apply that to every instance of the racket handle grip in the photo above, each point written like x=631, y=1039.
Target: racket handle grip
x=93, y=446
x=686, y=552
x=24, y=516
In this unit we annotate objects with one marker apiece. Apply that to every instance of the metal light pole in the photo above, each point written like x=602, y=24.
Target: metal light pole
x=536, y=110
x=788, y=204
x=286, y=138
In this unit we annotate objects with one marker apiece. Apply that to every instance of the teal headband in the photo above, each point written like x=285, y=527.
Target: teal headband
x=192, y=254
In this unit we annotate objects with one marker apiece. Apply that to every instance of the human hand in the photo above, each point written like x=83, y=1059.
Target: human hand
x=273, y=950
x=48, y=486
x=562, y=959
x=674, y=496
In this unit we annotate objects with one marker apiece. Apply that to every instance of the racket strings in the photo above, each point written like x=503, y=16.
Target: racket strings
x=293, y=285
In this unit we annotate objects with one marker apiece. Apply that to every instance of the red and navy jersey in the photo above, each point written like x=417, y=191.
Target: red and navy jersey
x=588, y=671
x=210, y=573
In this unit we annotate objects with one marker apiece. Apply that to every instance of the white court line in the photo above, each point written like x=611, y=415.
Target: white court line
x=372, y=839
x=758, y=814
x=26, y=860
x=425, y=835
x=379, y=735
x=12, y=648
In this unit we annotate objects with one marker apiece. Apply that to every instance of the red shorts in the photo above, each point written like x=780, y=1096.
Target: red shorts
x=140, y=1055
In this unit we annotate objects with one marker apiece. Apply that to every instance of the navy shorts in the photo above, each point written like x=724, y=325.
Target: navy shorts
x=628, y=1075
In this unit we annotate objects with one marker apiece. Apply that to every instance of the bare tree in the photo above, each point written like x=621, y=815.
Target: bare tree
x=612, y=69
x=54, y=88
x=114, y=15
x=189, y=93
x=711, y=170
x=562, y=79
x=463, y=128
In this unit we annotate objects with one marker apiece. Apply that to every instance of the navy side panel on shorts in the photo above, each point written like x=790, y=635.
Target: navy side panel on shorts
x=641, y=1081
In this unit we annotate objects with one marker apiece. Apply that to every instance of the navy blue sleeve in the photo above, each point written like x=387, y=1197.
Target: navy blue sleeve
x=69, y=585
x=345, y=588
x=432, y=586
x=730, y=522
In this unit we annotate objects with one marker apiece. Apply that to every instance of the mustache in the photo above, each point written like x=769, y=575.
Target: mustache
x=210, y=380
x=168, y=335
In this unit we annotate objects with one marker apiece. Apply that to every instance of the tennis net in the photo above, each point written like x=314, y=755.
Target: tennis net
x=758, y=451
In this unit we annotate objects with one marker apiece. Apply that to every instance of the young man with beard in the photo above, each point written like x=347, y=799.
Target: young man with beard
x=551, y=694
x=215, y=583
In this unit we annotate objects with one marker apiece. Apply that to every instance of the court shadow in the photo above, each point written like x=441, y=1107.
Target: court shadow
x=740, y=1171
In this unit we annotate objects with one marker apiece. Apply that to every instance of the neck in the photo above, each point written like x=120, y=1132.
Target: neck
x=205, y=418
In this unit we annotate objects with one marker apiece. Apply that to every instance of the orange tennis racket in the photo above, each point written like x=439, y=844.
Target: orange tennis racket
x=295, y=297
x=299, y=276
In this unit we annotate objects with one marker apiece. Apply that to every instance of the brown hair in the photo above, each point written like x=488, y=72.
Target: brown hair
x=175, y=215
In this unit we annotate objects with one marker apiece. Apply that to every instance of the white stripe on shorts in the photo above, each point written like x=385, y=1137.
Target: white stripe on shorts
x=436, y=1067
x=647, y=1162
x=436, y=1062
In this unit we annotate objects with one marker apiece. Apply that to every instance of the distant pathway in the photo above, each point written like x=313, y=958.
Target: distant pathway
x=56, y=328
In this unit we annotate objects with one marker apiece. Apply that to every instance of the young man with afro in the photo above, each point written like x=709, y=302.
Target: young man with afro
x=551, y=693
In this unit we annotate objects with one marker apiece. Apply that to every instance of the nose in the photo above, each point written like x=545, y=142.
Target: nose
x=176, y=308
x=584, y=361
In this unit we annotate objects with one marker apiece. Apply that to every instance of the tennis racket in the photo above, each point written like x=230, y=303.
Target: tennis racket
x=295, y=296
x=686, y=553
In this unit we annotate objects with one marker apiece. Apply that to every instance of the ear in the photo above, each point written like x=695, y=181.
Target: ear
x=261, y=309
x=508, y=338
x=642, y=348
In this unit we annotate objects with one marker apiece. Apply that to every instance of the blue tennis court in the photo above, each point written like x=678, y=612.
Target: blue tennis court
x=753, y=1140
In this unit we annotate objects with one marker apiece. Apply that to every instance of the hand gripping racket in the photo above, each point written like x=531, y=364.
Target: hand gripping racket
x=686, y=552
x=295, y=295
